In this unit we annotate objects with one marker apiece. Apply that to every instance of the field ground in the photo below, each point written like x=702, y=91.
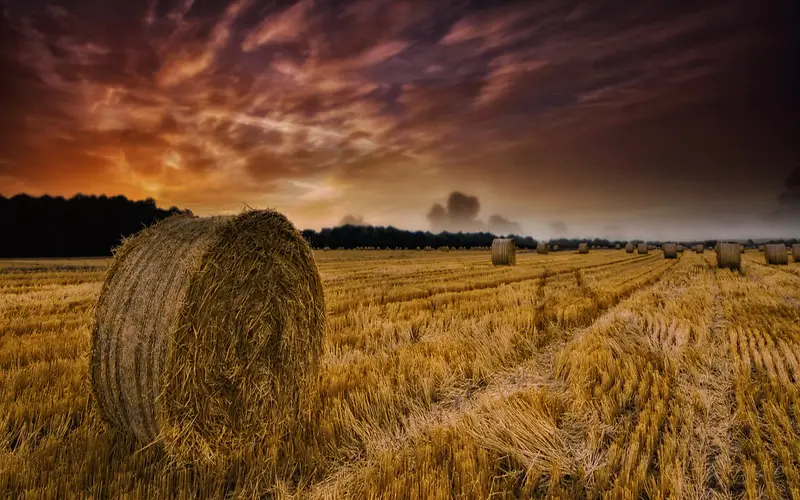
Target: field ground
x=571, y=376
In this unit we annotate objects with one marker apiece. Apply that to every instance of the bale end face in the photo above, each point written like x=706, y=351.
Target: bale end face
x=642, y=249
x=670, y=251
x=207, y=332
x=729, y=256
x=776, y=254
x=542, y=248
x=583, y=248
x=504, y=252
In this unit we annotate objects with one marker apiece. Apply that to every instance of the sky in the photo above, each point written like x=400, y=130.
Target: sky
x=656, y=119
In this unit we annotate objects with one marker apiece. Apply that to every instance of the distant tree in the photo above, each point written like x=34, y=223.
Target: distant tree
x=84, y=225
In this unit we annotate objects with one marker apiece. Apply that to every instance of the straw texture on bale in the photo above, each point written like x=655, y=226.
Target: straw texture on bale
x=504, y=252
x=728, y=255
x=207, y=334
x=629, y=247
x=642, y=248
x=699, y=248
x=617, y=246
x=541, y=247
x=796, y=252
x=670, y=251
x=776, y=254
x=583, y=247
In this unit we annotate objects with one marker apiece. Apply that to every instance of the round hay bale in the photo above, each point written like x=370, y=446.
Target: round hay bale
x=728, y=255
x=670, y=251
x=617, y=246
x=796, y=252
x=555, y=248
x=542, y=247
x=207, y=334
x=776, y=254
x=651, y=247
x=699, y=248
x=629, y=247
x=583, y=247
x=428, y=249
x=444, y=248
x=680, y=248
x=326, y=249
x=642, y=249
x=760, y=248
x=504, y=252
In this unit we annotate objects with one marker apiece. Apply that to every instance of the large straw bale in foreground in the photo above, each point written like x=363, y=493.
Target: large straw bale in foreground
x=796, y=252
x=728, y=255
x=207, y=332
x=642, y=248
x=776, y=254
x=629, y=247
x=583, y=247
x=504, y=252
x=541, y=247
x=670, y=251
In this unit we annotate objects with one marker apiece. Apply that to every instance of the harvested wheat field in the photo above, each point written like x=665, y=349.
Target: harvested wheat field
x=607, y=374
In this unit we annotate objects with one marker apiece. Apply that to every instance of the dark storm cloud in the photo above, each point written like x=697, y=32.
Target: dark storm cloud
x=558, y=228
x=353, y=220
x=588, y=109
x=501, y=226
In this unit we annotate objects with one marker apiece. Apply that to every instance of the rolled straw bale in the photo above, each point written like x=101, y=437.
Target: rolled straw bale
x=651, y=247
x=541, y=247
x=504, y=252
x=680, y=248
x=796, y=252
x=776, y=254
x=642, y=248
x=555, y=248
x=207, y=334
x=699, y=248
x=444, y=248
x=583, y=247
x=760, y=248
x=728, y=255
x=670, y=251
x=428, y=249
x=617, y=246
x=629, y=247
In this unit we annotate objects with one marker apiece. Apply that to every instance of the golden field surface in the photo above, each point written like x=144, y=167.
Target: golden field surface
x=568, y=376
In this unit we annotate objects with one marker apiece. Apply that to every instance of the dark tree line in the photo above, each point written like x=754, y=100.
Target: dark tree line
x=84, y=226
x=350, y=236
x=80, y=226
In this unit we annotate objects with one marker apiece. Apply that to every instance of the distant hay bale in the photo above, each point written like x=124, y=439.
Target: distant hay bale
x=642, y=248
x=629, y=247
x=699, y=248
x=728, y=255
x=542, y=247
x=617, y=246
x=651, y=247
x=555, y=248
x=760, y=248
x=776, y=254
x=207, y=333
x=680, y=248
x=504, y=252
x=428, y=249
x=796, y=253
x=326, y=249
x=418, y=249
x=670, y=251
x=444, y=248
x=583, y=247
